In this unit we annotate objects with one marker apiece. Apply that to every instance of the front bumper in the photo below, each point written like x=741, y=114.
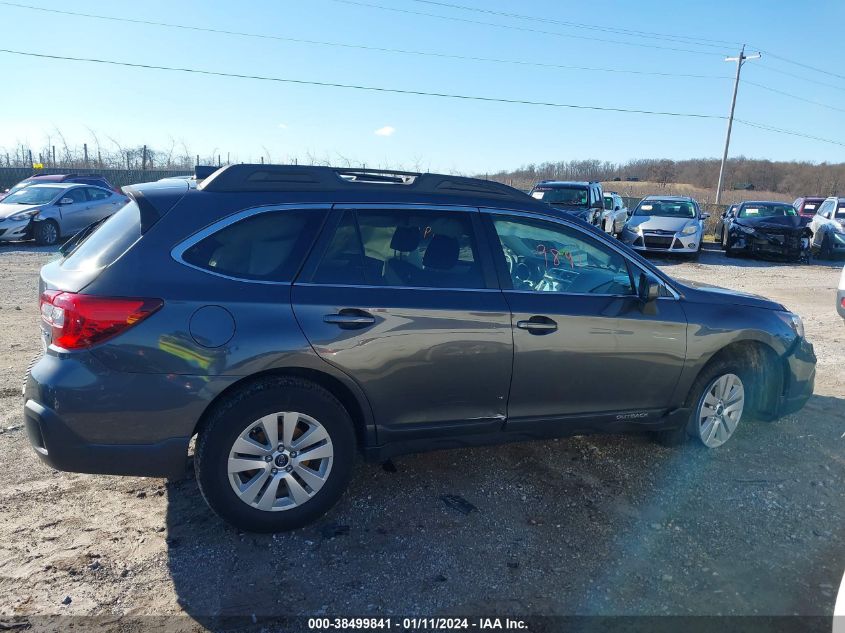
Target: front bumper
x=15, y=230
x=780, y=245
x=662, y=242
x=800, y=378
x=81, y=416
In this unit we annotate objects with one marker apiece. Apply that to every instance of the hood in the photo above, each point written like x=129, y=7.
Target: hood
x=659, y=223
x=10, y=209
x=705, y=293
x=774, y=222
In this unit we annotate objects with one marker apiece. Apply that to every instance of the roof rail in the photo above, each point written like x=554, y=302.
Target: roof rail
x=271, y=178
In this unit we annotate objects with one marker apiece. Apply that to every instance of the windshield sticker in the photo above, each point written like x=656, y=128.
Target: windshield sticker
x=538, y=195
x=809, y=207
x=647, y=207
x=752, y=211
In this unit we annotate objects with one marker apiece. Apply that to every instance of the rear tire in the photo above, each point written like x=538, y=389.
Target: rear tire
x=729, y=406
x=729, y=251
x=46, y=233
x=826, y=250
x=293, y=491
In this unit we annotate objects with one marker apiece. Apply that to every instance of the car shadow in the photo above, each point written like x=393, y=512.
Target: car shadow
x=27, y=247
x=587, y=525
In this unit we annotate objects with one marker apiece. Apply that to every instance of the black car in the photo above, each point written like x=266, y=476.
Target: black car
x=584, y=200
x=291, y=317
x=765, y=229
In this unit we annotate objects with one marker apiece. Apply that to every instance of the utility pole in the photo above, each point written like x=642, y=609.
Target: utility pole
x=740, y=60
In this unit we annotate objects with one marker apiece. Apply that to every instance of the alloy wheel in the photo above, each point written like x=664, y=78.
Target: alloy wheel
x=720, y=410
x=280, y=461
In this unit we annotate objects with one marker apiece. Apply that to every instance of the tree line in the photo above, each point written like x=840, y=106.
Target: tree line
x=791, y=178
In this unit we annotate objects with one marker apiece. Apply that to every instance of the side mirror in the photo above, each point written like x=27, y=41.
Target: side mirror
x=617, y=208
x=705, y=215
x=649, y=289
x=64, y=201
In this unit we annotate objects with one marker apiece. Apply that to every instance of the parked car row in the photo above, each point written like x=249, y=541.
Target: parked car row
x=676, y=224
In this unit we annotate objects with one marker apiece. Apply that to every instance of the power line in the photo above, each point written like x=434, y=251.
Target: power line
x=792, y=96
x=594, y=27
x=802, y=78
x=515, y=28
x=779, y=130
x=365, y=47
x=415, y=92
x=327, y=84
x=802, y=65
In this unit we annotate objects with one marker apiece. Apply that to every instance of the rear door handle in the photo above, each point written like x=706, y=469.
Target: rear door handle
x=537, y=325
x=350, y=319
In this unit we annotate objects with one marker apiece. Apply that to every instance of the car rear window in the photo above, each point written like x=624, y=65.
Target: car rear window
x=265, y=246
x=108, y=242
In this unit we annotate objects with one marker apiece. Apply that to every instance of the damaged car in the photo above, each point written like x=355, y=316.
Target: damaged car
x=766, y=229
x=47, y=212
x=828, y=228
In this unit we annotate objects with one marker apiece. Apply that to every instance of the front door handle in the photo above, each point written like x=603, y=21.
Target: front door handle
x=537, y=325
x=350, y=319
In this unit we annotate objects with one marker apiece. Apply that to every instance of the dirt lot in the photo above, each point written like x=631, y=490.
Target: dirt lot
x=592, y=525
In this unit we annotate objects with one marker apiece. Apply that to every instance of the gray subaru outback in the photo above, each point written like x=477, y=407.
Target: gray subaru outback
x=290, y=318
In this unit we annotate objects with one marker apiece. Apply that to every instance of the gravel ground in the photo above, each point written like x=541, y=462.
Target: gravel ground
x=587, y=525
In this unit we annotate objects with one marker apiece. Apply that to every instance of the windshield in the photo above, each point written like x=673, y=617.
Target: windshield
x=571, y=196
x=766, y=210
x=666, y=209
x=107, y=242
x=608, y=203
x=840, y=212
x=32, y=195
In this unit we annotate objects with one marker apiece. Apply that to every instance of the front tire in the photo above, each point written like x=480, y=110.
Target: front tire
x=717, y=400
x=275, y=455
x=46, y=233
x=826, y=250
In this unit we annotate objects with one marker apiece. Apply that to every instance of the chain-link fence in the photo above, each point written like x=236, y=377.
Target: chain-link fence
x=10, y=176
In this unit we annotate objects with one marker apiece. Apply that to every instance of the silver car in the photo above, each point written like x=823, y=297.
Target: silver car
x=615, y=214
x=666, y=224
x=48, y=212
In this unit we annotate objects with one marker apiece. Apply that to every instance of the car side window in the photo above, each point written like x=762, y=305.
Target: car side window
x=77, y=195
x=418, y=249
x=547, y=257
x=95, y=194
x=824, y=210
x=265, y=246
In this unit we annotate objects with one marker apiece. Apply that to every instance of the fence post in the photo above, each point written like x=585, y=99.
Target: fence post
x=85, y=152
x=218, y=160
x=144, y=159
x=54, y=156
x=30, y=158
x=198, y=160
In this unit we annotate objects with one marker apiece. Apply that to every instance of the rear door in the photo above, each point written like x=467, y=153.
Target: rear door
x=102, y=203
x=586, y=351
x=405, y=301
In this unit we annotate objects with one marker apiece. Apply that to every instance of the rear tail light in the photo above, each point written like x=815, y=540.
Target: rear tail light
x=79, y=321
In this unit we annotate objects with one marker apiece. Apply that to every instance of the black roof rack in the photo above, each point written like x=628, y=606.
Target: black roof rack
x=271, y=178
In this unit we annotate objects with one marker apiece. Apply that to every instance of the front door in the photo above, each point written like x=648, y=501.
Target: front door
x=405, y=301
x=585, y=348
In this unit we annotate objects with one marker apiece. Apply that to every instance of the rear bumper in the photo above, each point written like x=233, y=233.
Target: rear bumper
x=83, y=417
x=57, y=445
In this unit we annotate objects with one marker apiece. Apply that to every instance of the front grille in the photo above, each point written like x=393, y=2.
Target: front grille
x=658, y=241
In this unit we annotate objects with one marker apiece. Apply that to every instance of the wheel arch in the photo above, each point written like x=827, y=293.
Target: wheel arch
x=766, y=368
x=354, y=403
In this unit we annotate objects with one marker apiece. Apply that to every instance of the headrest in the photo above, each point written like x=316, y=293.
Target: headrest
x=442, y=253
x=405, y=239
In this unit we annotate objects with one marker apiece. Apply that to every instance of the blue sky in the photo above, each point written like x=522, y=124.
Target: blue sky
x=245, y=118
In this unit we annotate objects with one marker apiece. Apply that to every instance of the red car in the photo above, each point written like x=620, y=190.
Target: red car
x=87, y=179
x=807, y=207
